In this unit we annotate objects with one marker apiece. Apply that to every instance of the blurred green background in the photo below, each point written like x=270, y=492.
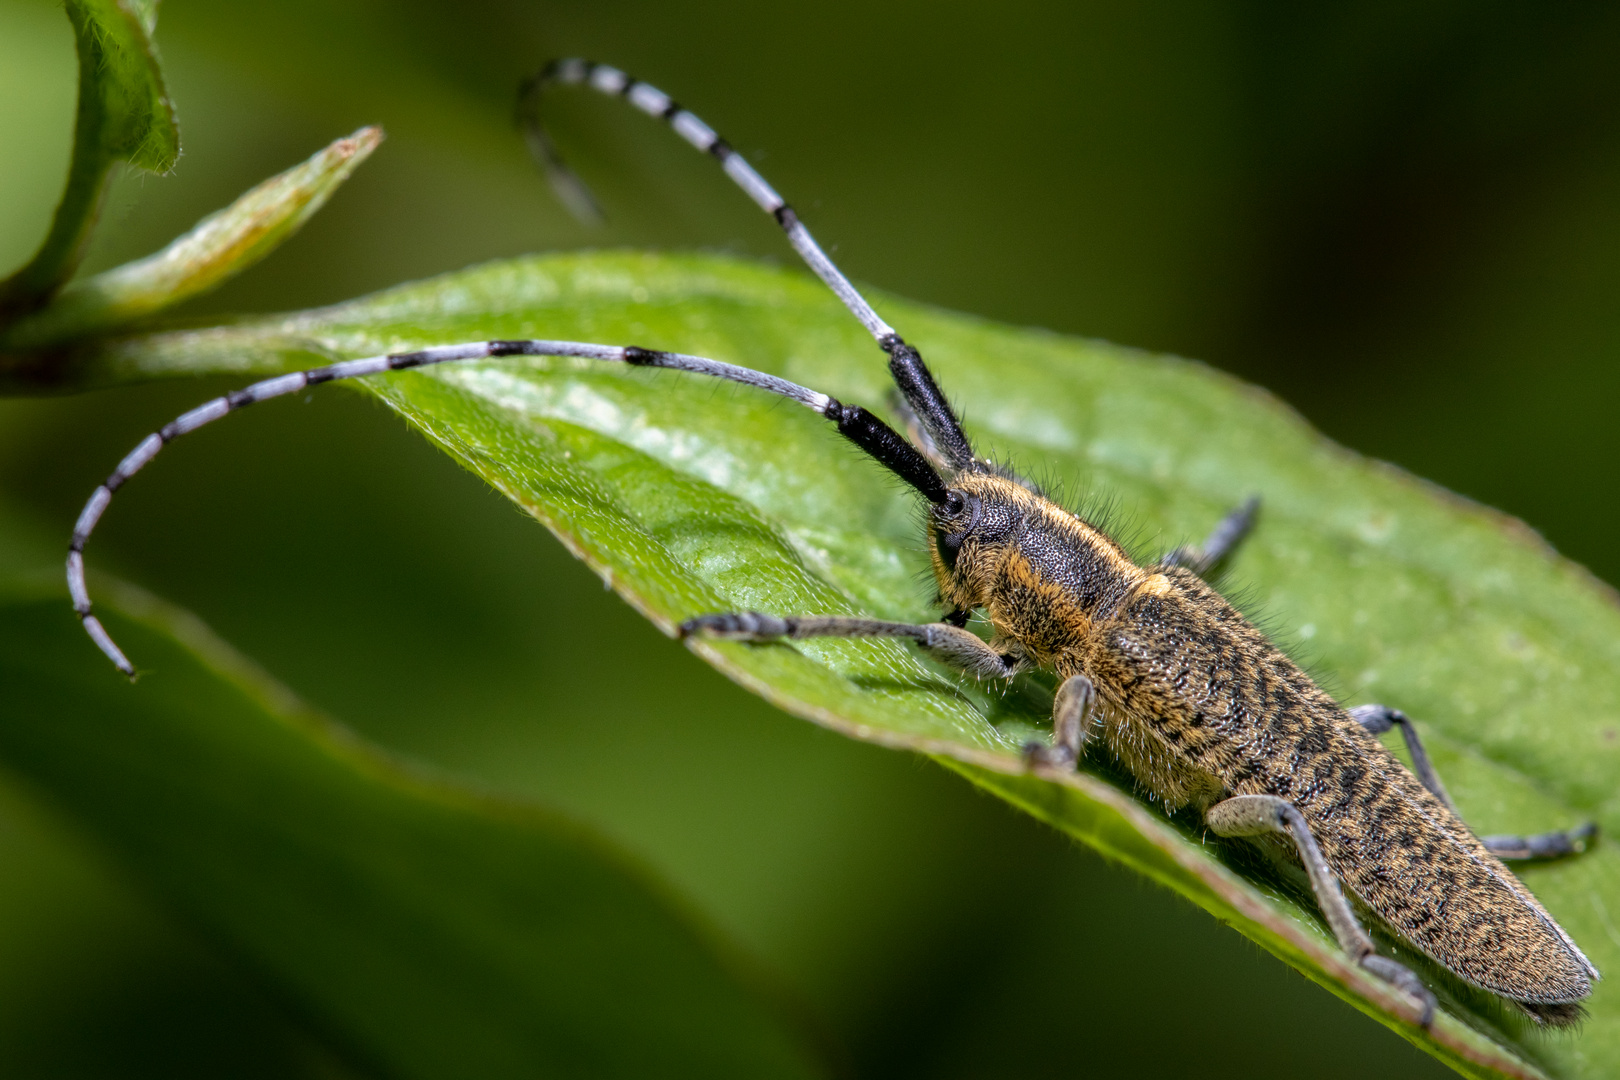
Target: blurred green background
x=1404, y=219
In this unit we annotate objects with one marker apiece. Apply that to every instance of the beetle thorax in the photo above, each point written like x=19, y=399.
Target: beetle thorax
x=1005, y=537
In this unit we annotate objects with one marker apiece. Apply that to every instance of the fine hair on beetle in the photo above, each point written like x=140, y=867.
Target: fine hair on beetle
x=1156, y=671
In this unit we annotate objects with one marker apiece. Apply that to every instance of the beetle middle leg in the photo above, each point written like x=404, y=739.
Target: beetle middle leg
x=1073, y=719
x=1548, y=845
x=1258, y=815
x=1223, y=539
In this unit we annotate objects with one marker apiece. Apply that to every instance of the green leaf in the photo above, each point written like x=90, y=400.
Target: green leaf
x=219, y=246
x=124, y=114
x=431, y=933
x=688, y=497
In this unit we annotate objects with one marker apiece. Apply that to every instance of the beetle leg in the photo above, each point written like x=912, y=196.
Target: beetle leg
x=1223, y=539
x=1073, y=718
x=1257, y=815
x=1548, y=845
x=950, y=645
x=1378, y=719
x=911, y=376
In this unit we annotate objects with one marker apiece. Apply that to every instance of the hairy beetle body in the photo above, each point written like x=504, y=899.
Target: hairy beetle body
x=1199, y=706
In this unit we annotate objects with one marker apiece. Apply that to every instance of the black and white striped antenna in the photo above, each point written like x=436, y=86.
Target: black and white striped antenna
x=869, y=433
x=911, y=375
x=866, y=431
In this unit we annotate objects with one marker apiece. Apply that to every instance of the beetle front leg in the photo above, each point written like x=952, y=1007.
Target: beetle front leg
x=1257, y=815
x=950, y=645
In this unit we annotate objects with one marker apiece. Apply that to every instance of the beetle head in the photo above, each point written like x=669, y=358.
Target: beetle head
x=970, y=531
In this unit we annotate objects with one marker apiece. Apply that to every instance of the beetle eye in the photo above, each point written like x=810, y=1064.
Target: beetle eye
x=954, y=504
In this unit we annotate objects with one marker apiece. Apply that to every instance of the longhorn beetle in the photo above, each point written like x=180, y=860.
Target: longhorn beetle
x=1195, y=702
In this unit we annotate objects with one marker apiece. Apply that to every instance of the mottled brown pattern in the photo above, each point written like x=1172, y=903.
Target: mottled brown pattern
x=1200, y=706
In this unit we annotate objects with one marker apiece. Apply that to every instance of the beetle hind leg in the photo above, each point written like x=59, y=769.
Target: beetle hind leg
x=1547, y=845
x=1378, y=719
x=1260, y=815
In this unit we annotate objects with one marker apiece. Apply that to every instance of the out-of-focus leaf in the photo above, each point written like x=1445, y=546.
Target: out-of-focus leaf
x=688, y=497
x=426, y=931
x=124, y=114
x=219, y=246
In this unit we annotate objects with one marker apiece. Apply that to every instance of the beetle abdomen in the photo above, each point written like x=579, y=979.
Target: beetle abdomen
x=1204, y=684
x=1422, y=871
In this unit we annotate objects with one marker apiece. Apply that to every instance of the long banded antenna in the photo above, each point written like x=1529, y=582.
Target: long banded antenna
x=906, y=365
x=866, y=431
